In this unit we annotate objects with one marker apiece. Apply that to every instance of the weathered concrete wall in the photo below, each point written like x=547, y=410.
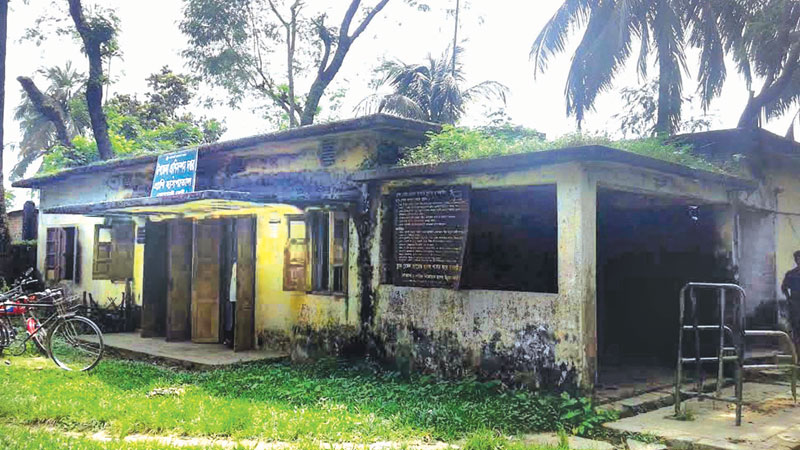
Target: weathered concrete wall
x=532, y=338
x=304, y=323
x=506, y=335
x=535, y=338
x=306, y=170
x=101, y=290
x=89, y=189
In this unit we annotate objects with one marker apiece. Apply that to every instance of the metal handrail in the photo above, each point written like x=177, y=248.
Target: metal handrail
x=738, y=339
x=721, y=359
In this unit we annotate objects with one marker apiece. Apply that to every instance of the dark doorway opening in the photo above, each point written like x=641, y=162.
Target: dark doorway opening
x=154, y=284
x=648, y=248
x=173, y=291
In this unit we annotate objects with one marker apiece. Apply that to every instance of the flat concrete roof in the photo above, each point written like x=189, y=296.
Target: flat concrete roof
x=191, y=202
x=509, y=163
x=371, y=122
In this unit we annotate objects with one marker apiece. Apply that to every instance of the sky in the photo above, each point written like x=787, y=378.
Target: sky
x=497, y=36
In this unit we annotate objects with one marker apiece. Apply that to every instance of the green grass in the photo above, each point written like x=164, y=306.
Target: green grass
x=330, y=402
x=36, y=438
x=24, y=438
x=457, y=143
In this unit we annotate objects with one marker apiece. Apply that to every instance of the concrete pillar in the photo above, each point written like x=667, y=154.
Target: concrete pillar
x=575, y=314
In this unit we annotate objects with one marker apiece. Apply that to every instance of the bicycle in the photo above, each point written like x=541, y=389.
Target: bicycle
x=19, y=293
x=72, y=341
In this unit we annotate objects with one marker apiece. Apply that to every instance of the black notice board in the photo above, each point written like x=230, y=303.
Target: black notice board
x=430, y=233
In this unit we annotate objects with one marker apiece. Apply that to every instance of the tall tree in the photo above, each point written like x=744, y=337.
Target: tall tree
x=4, y=235
x=771, y=51
x=98, y=35
x=432, y=91
x=613, y=27
x=231, y=43
x=50, y=117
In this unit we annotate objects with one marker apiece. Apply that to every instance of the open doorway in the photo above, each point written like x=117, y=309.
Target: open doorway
x=648, y=247
x=199, y=281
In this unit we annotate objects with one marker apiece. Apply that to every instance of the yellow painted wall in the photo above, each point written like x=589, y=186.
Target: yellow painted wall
x=101, y=290
x=277, y=311
x=787, y=222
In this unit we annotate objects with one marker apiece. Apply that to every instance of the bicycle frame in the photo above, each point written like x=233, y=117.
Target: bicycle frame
x=53, y=318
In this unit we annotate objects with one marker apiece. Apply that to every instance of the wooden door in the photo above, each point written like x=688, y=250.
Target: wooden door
x=154, y=285
x=244, y=332
x=179, y=256
x=206, y=281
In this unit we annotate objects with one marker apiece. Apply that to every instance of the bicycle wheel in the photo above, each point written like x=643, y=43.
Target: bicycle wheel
x=37, y=333
x=76, y=344
x=5, y=339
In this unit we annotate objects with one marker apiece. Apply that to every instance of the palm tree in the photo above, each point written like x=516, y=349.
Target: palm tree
x=431, y=91
x=65, y=88
x=613, y=27
x=771, y=43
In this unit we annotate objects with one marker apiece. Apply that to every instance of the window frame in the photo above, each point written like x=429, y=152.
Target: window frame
x=327, y=255
x=120, y=250
x=59, y=272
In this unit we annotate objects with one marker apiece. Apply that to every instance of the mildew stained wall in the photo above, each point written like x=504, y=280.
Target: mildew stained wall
x=307, y=324
x=530, y=338
x=89, y=189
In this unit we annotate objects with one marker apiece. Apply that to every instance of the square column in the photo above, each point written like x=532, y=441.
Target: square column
x=575, y=315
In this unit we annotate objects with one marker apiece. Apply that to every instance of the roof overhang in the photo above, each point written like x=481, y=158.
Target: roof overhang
x=374, y=123
x=510, y=163
x=193, y=204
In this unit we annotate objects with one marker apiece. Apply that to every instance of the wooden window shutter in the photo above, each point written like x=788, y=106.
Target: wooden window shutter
x=123, y=240
x=76, y=255
x=320, y=244
x=339, y=250
x=52, y=256
x=101, y=265
x=295, y=255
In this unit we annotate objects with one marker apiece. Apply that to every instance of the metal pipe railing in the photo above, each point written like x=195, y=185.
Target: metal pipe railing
x=737, y=334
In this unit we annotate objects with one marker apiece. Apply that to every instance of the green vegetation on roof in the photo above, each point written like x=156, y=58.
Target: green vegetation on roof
x=457, y=144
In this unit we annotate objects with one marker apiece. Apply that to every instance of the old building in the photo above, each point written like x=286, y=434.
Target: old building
x=544, y=268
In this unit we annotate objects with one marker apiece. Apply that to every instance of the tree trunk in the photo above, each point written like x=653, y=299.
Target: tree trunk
x=455, y=37
x=771, y=90
x=48, y=108
x=321, y=83
x=94, y=101
x=326, y=71
x=750, y=114
x=663, y=114
x=4, y=236
x=92, y=42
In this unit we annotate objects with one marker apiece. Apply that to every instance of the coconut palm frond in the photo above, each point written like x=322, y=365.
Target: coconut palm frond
x=402, y=106
x=369, y=105
x=707, y=36
x=553, y=37
x=603, y=50
x=429, y=91
x=487, y=90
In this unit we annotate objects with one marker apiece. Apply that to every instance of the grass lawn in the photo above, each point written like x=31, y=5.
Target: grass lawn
x=324, y=402
x=19, y=437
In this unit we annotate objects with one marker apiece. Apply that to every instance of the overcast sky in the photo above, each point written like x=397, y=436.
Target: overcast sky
x=498, y=35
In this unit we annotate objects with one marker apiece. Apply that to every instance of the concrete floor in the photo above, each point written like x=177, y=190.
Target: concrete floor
x=625, y=381
x=185, y=353
x=770, y=420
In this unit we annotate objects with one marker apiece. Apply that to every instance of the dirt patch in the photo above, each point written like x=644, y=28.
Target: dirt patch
x=773, y=405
